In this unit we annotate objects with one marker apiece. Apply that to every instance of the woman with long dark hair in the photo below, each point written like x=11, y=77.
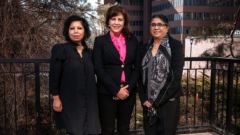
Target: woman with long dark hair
x=160, y=84
x=72, y=80
x=116, y=59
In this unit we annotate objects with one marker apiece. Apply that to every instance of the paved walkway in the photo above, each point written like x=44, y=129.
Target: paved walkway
x=207, y=133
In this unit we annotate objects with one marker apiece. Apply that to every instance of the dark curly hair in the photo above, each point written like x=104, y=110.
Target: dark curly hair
x=85, y=24
x=114, y=11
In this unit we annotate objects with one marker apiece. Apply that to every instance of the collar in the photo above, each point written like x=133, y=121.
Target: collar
x=73, y=43
x=121, y=37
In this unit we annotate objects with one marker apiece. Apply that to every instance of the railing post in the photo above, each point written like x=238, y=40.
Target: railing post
x=37, y=92
x=212, y=91
x=229, y=96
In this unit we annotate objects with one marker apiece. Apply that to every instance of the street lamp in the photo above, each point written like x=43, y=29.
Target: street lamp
x=191, y=41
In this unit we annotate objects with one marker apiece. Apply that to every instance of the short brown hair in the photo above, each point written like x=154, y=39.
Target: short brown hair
x=114, y=11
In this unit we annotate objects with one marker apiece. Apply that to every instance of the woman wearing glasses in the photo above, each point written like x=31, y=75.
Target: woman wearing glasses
x=159, y=87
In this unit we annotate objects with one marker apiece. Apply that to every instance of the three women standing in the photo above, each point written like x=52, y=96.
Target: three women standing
x=117, y=61
x=116, y=58
x=160, y=86
x=72, y=81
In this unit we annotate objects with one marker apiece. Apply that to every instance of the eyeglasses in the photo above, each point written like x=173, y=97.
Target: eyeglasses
x=158, y=24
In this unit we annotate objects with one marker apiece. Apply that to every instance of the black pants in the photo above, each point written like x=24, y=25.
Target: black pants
x=110, y=109
x=168, y=118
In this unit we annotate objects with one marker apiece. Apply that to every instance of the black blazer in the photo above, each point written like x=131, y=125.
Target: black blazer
x=109, y=67
x=177, y=61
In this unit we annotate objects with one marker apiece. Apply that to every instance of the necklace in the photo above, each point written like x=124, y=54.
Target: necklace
x=156, y=48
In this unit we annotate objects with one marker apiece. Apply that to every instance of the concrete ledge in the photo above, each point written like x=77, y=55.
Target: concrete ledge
x=207, y=133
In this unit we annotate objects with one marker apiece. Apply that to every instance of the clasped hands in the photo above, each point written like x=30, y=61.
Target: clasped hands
x=122, y=94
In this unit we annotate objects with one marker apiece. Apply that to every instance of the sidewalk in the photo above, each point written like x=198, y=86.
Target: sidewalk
x=207, y=133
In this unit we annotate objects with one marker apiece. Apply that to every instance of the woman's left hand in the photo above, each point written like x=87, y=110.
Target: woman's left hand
x=117, y=98
x=147, y=104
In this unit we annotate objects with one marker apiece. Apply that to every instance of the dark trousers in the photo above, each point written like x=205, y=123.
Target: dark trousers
x=110, y=109
x=168, y=118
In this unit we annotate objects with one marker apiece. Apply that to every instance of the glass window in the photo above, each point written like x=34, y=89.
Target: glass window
x=207, y=2
x=200, y=16
x=227, y=3
x=194, y=16
x=219, y=3
x=219, y=17
x=227, y=17
x=230, y=3
x=188, y=16
x=197, y=16
x=199, y=2
x=211, y=3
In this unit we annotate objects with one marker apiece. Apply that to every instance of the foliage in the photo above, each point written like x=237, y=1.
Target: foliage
x=30, y=28
x=102, y=11
x=98, y=21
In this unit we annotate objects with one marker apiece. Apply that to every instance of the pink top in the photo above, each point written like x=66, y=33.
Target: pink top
x=120, y=44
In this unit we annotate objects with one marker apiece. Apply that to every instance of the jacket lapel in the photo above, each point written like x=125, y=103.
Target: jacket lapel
x=111, y=47
x=128, y=50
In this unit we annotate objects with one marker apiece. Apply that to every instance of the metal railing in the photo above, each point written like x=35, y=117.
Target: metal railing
x=26, y=105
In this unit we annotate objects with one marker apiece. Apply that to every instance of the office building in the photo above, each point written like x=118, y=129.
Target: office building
x=182, y=14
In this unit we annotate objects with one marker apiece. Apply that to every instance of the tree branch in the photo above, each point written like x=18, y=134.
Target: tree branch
x=233, y=31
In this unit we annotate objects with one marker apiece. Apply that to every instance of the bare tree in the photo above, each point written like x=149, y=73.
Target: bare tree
x=29, y=29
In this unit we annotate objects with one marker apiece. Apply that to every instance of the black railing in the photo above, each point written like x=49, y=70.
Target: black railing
x=26, y=105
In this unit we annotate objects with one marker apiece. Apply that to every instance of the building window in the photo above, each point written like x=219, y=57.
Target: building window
x=200, y=16
x=138, y=33
x=226, y=17
x=216, y=16
x=212, y=16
